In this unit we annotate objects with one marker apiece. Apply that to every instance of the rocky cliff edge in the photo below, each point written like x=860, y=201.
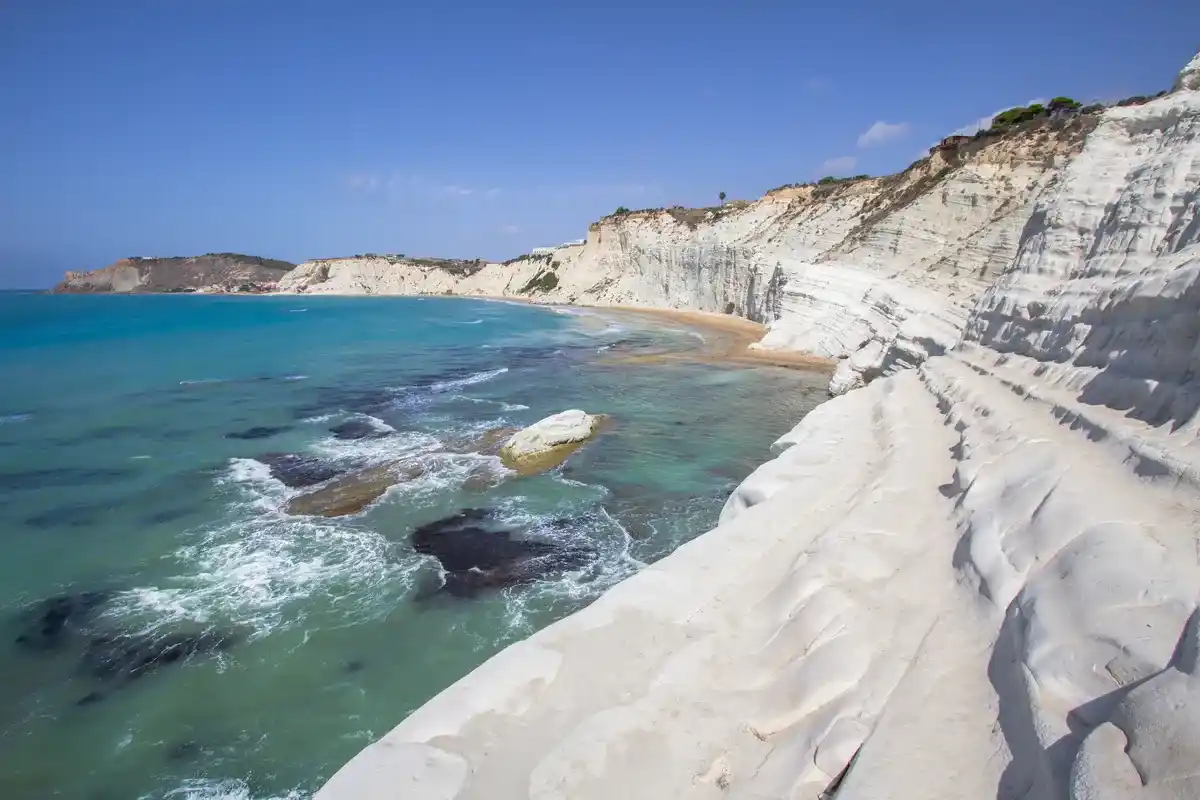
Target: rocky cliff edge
x=973, y=579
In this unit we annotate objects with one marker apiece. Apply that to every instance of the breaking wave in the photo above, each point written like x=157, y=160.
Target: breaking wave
x=229, y=789
x=470, y=380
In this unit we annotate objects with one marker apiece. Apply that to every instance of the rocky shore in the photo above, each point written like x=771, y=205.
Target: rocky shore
x=973, y=575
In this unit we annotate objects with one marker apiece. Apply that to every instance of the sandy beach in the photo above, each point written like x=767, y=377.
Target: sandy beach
x=726, y=338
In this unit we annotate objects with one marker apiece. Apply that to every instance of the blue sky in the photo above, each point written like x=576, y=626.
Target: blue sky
x=313, y=128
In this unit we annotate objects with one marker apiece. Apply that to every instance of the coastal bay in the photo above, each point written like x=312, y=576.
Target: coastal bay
x=143, y=462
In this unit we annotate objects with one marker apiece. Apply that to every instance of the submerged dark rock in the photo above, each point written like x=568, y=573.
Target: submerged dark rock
x=46, y=624
x=167, y=515
x=358, y=429
x=66, y=476
x=296, y=470
x=477, y=556
x=89, y=699
x=184, y=751
x=258, y=432
x=355, y=665
x=121, y=658
x=351, y=401
x=70, y=515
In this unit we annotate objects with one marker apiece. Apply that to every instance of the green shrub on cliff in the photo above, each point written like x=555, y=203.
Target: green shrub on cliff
x=542, y=282
x=620, y=211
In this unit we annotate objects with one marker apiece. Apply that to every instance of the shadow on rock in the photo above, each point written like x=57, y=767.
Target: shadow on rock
x=475, y=555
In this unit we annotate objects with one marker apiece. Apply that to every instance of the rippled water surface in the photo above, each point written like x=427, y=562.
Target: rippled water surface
x=134, y=512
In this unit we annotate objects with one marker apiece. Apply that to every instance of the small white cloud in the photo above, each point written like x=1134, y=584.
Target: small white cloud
x=841, y=165
x=510, y=229
x=882, y=132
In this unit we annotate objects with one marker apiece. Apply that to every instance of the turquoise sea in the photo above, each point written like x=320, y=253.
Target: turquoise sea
x=168, y=631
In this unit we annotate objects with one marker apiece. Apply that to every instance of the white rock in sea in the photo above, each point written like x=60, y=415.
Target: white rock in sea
x=973, y=579
x=546, y=438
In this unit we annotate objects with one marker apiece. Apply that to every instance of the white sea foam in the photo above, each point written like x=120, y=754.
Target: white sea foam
x=295, y=377
x=596, y=529
x=503, y=405
x=12, y=419
x=297, y=310
x=228, y=789
x=399, y=446
x=470, y=380
x=261, y=569
x=202, y=381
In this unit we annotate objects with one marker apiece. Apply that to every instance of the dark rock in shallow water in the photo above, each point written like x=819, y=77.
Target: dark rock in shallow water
x=354, y=401
x=91, y=698
x=123, y=658
x=45, y=625
x=67, y=476
x=258, y=432
x=72, y=515
x=296, y=470
x=355, y=666
x=358, y=429
x=184, y=751
x=167, y=515
x=477, y=557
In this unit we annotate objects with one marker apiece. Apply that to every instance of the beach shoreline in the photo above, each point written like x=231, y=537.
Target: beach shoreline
x=733, y=340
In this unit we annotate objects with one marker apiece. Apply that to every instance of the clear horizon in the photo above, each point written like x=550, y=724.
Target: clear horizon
x=474, y=131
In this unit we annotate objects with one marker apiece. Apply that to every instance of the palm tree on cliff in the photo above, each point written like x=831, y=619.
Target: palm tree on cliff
x=722, y=196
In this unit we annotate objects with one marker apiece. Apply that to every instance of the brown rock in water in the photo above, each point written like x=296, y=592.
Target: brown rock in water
x=487, y=443
x=352, y=493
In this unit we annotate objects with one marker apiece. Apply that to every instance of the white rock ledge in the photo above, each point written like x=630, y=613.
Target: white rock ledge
x=974, y=579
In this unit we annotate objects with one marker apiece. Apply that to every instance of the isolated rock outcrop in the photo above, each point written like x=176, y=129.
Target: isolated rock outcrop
x=547, y=443
x=977, y=578
x=213, y=272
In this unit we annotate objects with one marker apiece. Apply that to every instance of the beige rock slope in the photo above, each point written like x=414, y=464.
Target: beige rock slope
x=974, y=579
x=883, y=270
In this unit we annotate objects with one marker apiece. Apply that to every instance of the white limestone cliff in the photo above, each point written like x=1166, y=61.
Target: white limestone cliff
x=977, y=578
x=880, y=272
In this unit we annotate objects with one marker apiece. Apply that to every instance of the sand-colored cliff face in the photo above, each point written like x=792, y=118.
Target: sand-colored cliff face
x=882, y=269
x=974, y=579
x=221, y=272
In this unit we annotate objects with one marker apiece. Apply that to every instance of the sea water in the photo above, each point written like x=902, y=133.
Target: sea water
x=125, y=472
